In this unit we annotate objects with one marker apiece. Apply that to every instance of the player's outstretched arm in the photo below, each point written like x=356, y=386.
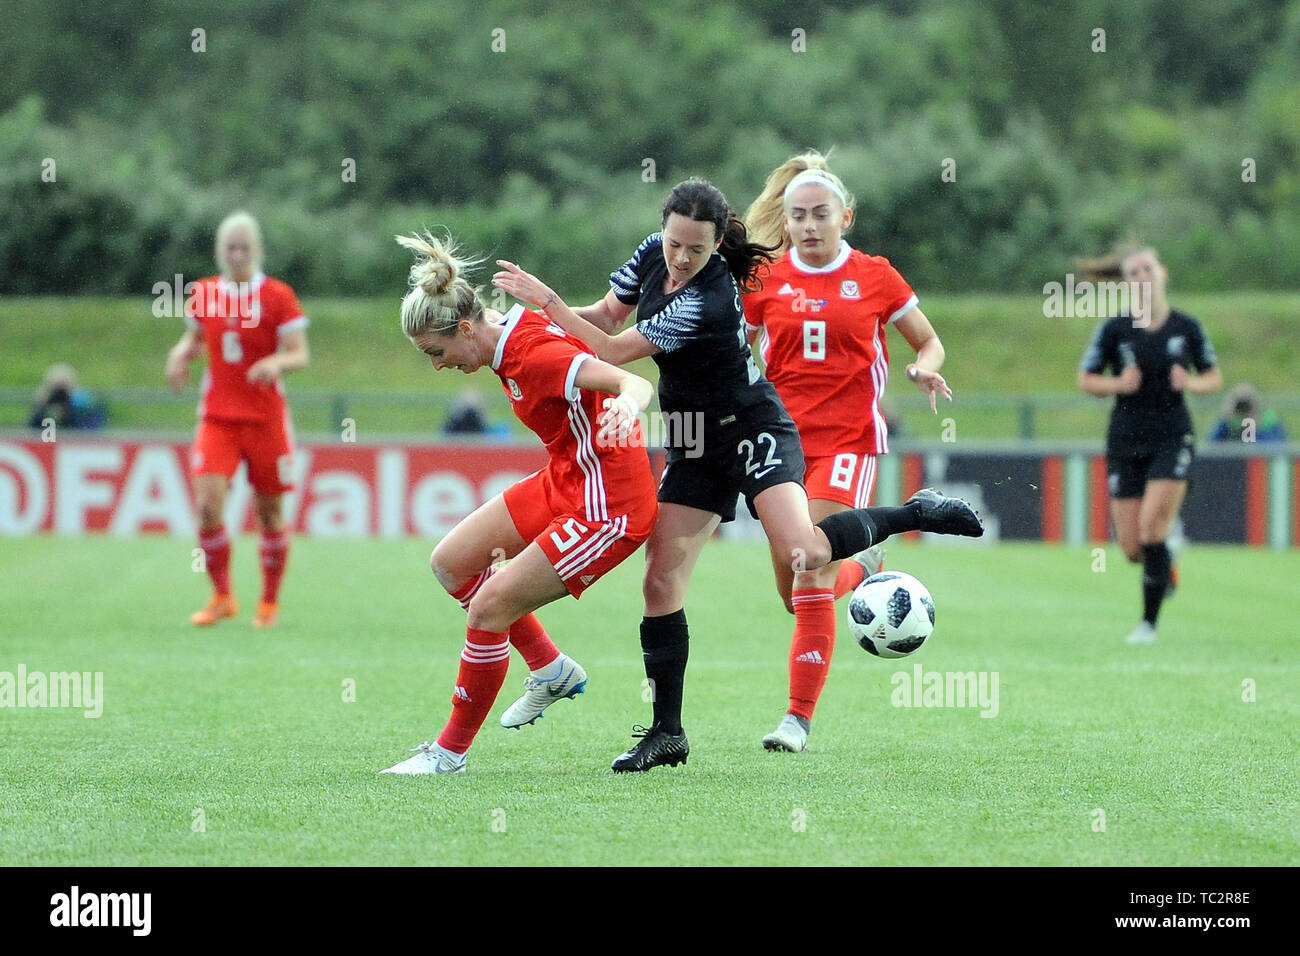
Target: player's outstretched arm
x=607, y=314
x=924, y=372
x=177, y=369
x=627, y=346
x=291, y=356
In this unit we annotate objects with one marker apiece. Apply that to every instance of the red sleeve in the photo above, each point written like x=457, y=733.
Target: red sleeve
x=288, y=313
x=545, y=361
x=896, y=293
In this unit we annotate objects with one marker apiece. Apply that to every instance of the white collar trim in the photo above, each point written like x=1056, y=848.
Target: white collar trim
x=511, y=320
x=840, y=258
x=230, y=285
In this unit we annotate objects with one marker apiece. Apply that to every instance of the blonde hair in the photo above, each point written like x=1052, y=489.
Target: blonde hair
x=766, y=216
x=440, y=296
x=239, y=219
x=1110, y=265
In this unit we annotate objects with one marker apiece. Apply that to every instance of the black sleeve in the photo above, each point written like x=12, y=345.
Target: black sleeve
x=1199, y=349
x=682, y=321
x=626, y=280
x=1100, y=353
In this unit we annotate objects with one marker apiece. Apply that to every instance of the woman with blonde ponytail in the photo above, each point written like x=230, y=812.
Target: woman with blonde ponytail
x=823, y=311
x=562, y=528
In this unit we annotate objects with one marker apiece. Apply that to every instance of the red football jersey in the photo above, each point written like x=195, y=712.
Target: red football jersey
x=537, y=363
x=823, y=340
x=239, y=327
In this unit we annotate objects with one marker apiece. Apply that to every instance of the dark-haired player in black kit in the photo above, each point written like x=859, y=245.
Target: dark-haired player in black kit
x=684, y=283
x=1149, y=445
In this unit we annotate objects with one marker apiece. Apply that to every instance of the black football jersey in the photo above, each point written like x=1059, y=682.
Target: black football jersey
x=1155, y=413
x=705, y=364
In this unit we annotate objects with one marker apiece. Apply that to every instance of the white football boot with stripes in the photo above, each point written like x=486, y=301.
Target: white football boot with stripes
x=562, y=680
x=429, y=758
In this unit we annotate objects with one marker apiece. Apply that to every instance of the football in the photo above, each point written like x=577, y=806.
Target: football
x=891, y=614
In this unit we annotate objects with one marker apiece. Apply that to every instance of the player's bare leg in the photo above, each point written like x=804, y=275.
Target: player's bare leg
x=210, y=498
x=504, y=603
x=863, y=564
x=674, y=547
x=464, y=560
x=485, y=537
x=1159, y=509
x=274, y=554
x=525, y=584
x=1124, y=516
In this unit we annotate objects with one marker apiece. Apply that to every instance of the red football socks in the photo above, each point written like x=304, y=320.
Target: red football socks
x=531, y=640
x=275, y=556
x=811, y=649
x=849, y=577
x=483, y=666
x=216, y=558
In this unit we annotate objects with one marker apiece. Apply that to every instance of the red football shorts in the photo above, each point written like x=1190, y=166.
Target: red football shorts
x=266, y=447
x=847, y=478
x=581, y=550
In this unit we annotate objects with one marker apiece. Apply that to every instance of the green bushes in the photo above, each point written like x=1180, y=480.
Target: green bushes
x=557, y=149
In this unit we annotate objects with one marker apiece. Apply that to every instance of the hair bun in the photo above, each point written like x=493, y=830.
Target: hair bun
x=435, y=275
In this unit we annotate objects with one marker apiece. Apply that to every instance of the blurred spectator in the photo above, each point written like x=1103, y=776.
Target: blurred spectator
x=467, y=416
x=70, y=406
x=1244, y=405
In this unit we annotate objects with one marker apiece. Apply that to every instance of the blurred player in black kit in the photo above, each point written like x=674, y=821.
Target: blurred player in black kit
x=1155, y=354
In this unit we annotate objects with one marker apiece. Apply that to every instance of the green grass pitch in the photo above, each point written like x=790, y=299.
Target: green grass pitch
x=235, y=747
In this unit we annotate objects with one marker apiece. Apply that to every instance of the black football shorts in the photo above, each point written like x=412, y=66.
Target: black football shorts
x=742, y=454
x=1128, y=472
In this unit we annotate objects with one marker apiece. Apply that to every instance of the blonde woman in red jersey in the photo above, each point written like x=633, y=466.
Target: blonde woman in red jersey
x=823, y=311
x=562, y=528
x=254, y=331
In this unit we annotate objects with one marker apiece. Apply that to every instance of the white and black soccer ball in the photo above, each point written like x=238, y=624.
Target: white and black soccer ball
x=891, y=614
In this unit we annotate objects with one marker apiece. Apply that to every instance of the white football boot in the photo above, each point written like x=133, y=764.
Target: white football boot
x=429, y=758
x=871, y=560
x=562, y=680
x=789, y=736
x=1144, y=633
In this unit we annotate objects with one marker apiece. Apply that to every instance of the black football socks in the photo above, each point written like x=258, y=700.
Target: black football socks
x=664, y=645
x=852, y=531
x=1155, y=579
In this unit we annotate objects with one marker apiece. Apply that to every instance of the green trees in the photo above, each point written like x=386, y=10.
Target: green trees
x=552, y=137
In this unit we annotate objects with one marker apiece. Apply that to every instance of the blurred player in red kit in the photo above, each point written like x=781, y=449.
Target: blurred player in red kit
x=254, y=331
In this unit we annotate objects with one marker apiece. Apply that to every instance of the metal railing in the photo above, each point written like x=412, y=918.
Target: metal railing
x=324, y=410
